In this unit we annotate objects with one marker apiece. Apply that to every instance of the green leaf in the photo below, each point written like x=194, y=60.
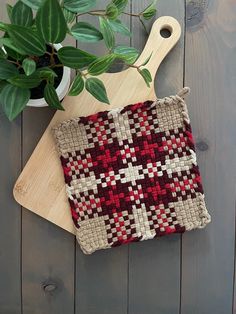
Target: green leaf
x=112, y=11
x=13, y=54
x=14, y=99
x=77, y=85
x=150, y=11
x=147, y=60
x=146, y=76
x=2, y=85
x=7, y=69
x=24, y=81
x=34, y=4
x=107, y=32
x=29, y=66
x=51, y=97
x=46, y=74
x=50, y=22
x=86, y=32
x=3, y=26
x=126, y=53
x=21, y=14
x=2, y=54
x=8, y=42
x=75, y=58
x=119, y=27
x=69, y=16
x=9, y=10
x=96, y=88
x=101, y=64
x=26, y=40
x=149, y=14
x=120, y=4
x=79, y=6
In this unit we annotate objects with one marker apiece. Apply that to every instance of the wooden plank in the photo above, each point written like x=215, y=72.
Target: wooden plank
x=102, y=279
x=10, y=222
x=154, y=266
x=47, y=251
x=234, y=277
x=208, y=255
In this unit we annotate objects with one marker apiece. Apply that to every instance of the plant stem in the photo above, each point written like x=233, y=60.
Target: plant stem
x=15, y=62
x=132, y=66
x=56, y=65
x=93, y=12
x=52, y=61
x=144, y=26
x=131, y=14
x=139, y=17
x=82, y=73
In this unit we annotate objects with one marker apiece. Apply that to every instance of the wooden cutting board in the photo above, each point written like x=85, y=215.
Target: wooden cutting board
x=40, y=187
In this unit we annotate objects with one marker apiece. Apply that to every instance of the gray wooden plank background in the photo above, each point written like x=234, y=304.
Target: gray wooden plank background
x=42, y=269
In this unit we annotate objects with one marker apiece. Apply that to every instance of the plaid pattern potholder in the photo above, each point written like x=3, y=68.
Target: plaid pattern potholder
x=131, y=173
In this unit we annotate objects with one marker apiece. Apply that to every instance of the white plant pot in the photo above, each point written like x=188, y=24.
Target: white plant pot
x=61, y=89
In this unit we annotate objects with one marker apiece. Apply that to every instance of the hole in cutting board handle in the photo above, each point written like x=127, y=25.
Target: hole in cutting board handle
x=166, y=31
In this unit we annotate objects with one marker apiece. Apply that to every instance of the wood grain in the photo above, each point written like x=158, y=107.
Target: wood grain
x=47, y=252
x=208, y=255
x=10, y=222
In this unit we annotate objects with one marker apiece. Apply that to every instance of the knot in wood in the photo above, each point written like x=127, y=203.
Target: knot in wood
x=195, y=11
x=49, y=287
x=202, y=146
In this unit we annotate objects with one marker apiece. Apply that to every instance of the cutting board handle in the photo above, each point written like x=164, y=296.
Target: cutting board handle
x=158, y=45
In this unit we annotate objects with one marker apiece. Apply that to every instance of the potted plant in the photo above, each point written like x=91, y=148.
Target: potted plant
x=35, y=68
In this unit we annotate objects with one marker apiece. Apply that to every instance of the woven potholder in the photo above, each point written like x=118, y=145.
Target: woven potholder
x=131, y=173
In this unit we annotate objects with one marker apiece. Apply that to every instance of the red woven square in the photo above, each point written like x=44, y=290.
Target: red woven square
x=131, y=173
